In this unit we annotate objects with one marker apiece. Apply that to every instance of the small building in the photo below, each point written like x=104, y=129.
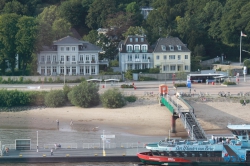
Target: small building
x=171, y=55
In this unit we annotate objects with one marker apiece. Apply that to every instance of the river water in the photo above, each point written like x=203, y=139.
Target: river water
x=8, y=136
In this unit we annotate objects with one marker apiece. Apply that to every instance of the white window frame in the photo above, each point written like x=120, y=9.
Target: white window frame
x=42, y=58
x=73, y=58
x=67, y=48
x=61, y=69
x=48, y=70
x=62, y=58
x=87, y=70
x=81, y=58
x=48, y=59
x=158, y=57
x=171, y=48
x=129, y=48
x=73, y=48
x=186, y=67
x=186, y=56
x=87, y=57
x=92, y=69
x=172, y=68
x=81, y=69
x=137, y=48
x=54, y=69
x=73, y=70
x=165, y=57
x=54, y=58
x=171, y=57
x=144, y=48
x=179, y=57
x=62, y=48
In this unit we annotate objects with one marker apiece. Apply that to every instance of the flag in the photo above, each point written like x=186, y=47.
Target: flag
x=242, y=34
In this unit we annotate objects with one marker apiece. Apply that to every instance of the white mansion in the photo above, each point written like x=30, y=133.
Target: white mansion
x=135, y=53
x=69, y=56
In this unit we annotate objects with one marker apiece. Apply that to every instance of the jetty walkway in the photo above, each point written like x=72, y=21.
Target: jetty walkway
x=179, y=108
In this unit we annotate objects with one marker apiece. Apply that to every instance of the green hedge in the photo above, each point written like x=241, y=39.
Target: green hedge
x=127, y=86
x=12, y=98
x=55, y=98
x=180, y=85
x=229, y=83
x=141, y=78
x=113, y=98
x=242, y=101
x=131, y=98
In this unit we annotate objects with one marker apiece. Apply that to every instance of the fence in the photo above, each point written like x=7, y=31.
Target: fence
x=63, y=145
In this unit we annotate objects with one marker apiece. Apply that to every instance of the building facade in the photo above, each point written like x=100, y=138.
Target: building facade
x=135, y=53
x=172, y=56
x=69, y=56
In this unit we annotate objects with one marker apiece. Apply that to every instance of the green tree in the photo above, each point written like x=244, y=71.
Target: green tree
x=84, y=95
x=60, y=28
x=113, y=98
x=8, y=31
x=51, y=26
x=55, y=98
x=92, y=37
x=15, y=7
x=25, y=40
x=134, y=31
x=199, y=50
x=128, y=75
x=98, y=12
x=108, y=46
x=73, y=12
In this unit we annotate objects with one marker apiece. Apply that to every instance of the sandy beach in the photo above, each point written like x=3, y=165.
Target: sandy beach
x=144, y=117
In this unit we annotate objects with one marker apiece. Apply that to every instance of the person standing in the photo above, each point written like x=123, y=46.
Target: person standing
x=51, y=152
x=57, y=122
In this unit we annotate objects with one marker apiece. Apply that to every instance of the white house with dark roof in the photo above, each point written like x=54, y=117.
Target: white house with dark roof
x=69, y=56
x=171, y=55
x=135, y=53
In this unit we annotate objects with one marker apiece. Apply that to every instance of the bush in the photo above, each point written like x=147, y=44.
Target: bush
x=55, y=98
x=50, y=80
x=84, y=95
x=113, y=98
x=66, y=90
x=131, y=98
x=229, y=83
x=20, y=79
x=15, y=98
x=127, y=86
x=180, y=85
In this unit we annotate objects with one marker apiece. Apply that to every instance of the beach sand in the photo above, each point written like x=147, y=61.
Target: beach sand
x=144, y=117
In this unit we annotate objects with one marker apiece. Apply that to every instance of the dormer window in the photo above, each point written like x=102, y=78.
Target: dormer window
x=142, y=39
x=129, y=48
x=136, y=39
x=131, y=39
x=179, y=47
x=144, y=48
x=163, y=48
x=171, y=48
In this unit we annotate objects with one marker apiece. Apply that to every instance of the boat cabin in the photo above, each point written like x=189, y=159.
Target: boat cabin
x=241, y=132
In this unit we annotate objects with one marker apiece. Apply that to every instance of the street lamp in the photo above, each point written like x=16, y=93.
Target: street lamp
x=193, y=132
x=36, y=141
x=165, y=57
x=186, y=120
